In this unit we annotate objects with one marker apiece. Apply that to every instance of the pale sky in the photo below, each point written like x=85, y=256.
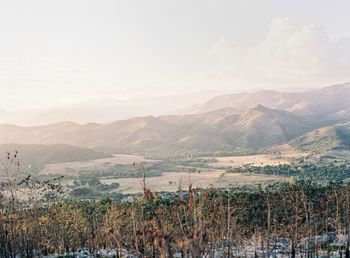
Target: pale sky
x=66, y=51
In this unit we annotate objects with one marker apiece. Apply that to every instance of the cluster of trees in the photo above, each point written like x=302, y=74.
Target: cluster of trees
x=121, y=171
x=192, y=223
x=91, y=188
x=328, y=171
x=176, y=154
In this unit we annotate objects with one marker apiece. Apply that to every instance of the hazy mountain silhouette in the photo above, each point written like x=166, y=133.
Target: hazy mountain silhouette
x=222, y=129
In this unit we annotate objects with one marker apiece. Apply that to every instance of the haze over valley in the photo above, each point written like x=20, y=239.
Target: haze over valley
x=284, y=126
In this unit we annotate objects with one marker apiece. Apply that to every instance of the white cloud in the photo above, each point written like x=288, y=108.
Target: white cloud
x=289, y=55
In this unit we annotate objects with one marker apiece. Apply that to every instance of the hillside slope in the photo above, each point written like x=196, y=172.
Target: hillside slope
x=335, y=137
x=32, y=156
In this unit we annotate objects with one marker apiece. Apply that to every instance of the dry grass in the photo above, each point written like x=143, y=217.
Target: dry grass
x=169, y=181
x=256, y=160
x=67, y=168
x=214, y=178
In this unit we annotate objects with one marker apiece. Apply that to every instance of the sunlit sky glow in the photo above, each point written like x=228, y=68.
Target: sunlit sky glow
x=61, y=52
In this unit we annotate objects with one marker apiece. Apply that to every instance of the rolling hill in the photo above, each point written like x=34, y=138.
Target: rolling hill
x=322, y=140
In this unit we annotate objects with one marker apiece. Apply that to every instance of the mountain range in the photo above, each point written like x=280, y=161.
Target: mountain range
x=312, y=120
x=321, y=102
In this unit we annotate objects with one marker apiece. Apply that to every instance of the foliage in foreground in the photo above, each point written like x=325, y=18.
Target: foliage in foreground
x=195, y=222
x=35, y=220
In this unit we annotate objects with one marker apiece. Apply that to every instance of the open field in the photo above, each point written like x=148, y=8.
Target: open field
x=68, y=168
x=169, y=181
x=256, y=160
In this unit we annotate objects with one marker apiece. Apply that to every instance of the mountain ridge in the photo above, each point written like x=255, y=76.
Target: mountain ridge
x=319, y=102
x=221, y=129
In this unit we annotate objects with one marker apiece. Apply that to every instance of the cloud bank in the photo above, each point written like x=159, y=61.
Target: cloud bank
x=290, y=55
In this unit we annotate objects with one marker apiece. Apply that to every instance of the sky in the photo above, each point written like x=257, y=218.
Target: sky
x=67, y=51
